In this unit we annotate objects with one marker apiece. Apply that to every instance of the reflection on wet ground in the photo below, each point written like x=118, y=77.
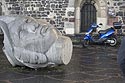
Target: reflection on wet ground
x=95, y=64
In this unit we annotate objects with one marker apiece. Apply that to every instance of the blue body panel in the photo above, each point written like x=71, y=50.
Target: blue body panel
x=106, y=35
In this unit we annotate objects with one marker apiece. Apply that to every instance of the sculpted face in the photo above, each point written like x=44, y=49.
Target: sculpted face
x=37, y=36
x=33, y=43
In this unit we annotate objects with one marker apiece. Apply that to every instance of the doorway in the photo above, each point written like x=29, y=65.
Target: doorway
x=88, y=15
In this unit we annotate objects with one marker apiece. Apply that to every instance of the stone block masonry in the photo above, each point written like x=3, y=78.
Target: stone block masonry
x=53, y=11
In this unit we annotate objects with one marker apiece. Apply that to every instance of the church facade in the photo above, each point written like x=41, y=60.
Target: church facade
x=71, y=16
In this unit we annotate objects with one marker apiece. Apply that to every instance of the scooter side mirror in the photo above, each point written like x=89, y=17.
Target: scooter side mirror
x=94, y=25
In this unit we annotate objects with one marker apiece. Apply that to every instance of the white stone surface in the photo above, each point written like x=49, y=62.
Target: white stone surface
x=69, y=27
x=71, y=3
x=33, y=43
x=77, y=20
x=103, y=21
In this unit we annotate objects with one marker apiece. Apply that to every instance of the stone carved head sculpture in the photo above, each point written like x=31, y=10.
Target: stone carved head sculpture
x=28, y=42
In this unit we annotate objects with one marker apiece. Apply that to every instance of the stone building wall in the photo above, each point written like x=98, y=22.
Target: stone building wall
x=60, y=13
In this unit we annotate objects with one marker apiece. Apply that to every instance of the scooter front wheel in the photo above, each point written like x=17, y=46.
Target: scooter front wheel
x=114, y=42
x=85, y=43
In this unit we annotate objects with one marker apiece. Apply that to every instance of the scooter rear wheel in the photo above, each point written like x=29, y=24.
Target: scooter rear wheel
x=114, y=42
x=85, y=43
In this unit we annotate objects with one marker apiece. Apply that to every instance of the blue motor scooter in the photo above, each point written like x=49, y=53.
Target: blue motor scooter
x=104, y=36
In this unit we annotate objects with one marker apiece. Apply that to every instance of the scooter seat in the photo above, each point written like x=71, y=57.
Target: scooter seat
x=102, y=31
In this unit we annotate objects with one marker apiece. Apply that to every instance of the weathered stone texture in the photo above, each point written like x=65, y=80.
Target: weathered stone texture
x=40, y=9
x=33, y=43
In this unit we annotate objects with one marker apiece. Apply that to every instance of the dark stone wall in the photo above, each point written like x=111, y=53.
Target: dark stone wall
x=53, y=11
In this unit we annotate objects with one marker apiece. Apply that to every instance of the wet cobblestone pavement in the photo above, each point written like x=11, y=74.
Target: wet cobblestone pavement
x=95, y=64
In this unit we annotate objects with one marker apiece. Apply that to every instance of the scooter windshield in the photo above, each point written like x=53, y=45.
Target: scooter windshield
x=94, y=25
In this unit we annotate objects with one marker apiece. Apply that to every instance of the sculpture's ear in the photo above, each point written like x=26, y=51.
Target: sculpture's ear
x=43, y=30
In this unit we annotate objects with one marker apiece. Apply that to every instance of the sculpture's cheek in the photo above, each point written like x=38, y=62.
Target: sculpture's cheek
x=50, y=38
